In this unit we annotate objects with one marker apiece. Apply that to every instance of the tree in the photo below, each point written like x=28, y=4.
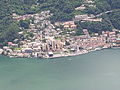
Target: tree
x=24, y=24
x=115, y=19
x=8, y=28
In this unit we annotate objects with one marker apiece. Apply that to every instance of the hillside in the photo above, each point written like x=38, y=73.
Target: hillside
x=63, y=10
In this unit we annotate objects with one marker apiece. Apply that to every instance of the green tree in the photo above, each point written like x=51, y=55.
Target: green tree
x=24, y=24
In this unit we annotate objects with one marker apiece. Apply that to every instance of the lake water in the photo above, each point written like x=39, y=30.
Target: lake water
x=99, y=70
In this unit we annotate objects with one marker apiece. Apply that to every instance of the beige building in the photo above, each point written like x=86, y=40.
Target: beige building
x=70, y=25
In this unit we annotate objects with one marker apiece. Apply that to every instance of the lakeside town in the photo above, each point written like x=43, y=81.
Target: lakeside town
x=44, y=39
x=47, y=41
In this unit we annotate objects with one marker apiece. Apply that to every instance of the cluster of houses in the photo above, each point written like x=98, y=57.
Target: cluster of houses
x=87, y=3
x=46, y=38
x=48, y=41
x=70, y=25
x=24, y=17
x=86, y=42
x=86, y=17
x=70, y=45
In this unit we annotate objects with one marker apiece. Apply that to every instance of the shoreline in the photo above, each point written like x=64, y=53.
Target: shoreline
x=77, y=54
x=64, y=55
x=67, y=55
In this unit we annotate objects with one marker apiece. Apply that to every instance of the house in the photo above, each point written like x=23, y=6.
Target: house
x=89, y=1
x=93, y=19
x=80, y=17
x=50, y=54
x=1, y=51
x=118, y=40
x=12, y=44
x=70, y=25
x=85, y=31
x=82, y=7
x=27, y=50
x=112, y=36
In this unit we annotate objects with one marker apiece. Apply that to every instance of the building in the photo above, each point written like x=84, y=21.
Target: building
x=80, y=17
x=85, y=31
x=112, y=37
x=69, y=25
x=82, y=7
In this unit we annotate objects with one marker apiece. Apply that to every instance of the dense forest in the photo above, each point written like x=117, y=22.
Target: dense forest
x=63, y=10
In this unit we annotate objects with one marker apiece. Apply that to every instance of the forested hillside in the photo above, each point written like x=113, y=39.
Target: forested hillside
x=63, y=10
x=8, y=28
